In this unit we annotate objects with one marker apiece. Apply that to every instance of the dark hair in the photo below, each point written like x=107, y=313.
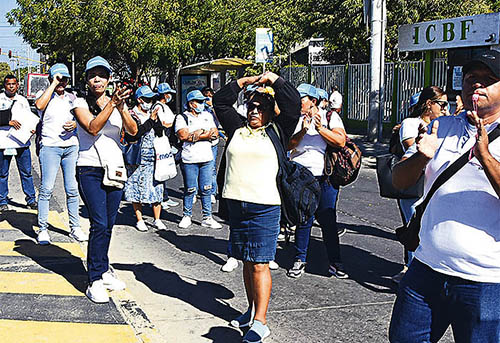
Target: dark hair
x=429, y=93
x=9, y=77
x=207, y=89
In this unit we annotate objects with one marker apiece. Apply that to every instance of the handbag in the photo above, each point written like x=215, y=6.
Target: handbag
x=408, y=234
x=132, y=153
x=6, y=115
x=114, y=176
x=299, y=190
x=165, y=168
x=385, y=165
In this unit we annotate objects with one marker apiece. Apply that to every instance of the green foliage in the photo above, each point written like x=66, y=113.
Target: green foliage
x=4, y=70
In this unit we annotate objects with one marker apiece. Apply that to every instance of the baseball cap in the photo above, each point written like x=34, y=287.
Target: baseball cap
x=414, y=99
x=490, y=58
x=306, y=89
x=196, y=95
x=144, y=92
x=98, y=61
x=322, y=93
x=59, y=68
x=165, y=88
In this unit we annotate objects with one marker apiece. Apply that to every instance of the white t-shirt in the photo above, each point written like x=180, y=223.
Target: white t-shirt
x=55, y=115
x=107, y=140
x=310, y=151
x=201, y=151
x=20, y=106
x=165, y=113
x=141, y=115
x=460, y=232
x=409, y=129
x=336, y=99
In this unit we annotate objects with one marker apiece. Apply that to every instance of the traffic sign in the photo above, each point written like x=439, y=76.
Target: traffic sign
x=264, y=45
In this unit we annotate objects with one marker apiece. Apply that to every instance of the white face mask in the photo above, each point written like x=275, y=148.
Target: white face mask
x=146, y=106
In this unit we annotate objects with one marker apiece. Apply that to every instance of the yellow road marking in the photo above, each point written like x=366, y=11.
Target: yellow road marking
x=20, y=218
x=15, y=331
x=40, y=283
x=29, y=248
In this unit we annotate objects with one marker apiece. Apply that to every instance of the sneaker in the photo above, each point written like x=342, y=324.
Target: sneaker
x=297, y=270
x=399, y=276
x=78, y=235
x=231, y=264
x=185, y=222
x=43, y=237
x=273, y=265
x=171, y=203
x=244, y=320
x=257, y=333
x=4, y=208
x=212, y=199
x=211, y=223
x=159, y=225
x=341, y=231
x=141, y=226
x=337, y=270
x=97, y=292
x=111, y=282
x=33, y=206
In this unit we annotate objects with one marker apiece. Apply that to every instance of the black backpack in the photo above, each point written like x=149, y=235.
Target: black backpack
x=299, y=190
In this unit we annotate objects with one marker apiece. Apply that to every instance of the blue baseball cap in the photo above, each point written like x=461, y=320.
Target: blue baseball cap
x=322, y=93
x=59, y=68
x=251, y=88
x=306, y=89
x=165, y=88
x=98, y=61
x=414, y=99
x=196, y=95
x=144, y=92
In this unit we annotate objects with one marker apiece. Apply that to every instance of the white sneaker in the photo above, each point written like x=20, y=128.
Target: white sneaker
x=112, y=283
x=211, y=223
x=141, y=226
x=185, y=222
x=159, y=225
x=97, y=292
x=231, y=264
x=78, y=234
x=212, y=199
x=171, y=203
x=273, y=265
x=43, y=237
x=164, y=206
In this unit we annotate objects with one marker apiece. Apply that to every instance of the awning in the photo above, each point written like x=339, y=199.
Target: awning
x=217, y=65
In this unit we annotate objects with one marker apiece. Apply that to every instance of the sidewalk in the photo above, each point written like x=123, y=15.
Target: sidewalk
x=42, y=288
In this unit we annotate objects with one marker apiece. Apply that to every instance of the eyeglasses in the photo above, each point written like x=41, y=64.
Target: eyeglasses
x=252, y=106
x=442, y=103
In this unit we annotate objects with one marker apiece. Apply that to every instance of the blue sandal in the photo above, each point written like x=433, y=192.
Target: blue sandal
x=257, y=333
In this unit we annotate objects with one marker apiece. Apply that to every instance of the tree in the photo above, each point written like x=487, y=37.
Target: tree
x=4, y=71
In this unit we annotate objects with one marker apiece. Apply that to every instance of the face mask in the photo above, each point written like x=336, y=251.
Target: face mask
x=198, y=108
x=168, y=98
x=146, y=106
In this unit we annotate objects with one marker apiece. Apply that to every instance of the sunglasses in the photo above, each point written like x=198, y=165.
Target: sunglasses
x=442, y=103
x=252, y=106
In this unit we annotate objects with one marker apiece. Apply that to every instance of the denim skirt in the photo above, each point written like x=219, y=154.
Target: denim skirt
x=254, y=230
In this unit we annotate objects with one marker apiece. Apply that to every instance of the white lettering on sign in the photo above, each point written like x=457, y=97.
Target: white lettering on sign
x=478, y=30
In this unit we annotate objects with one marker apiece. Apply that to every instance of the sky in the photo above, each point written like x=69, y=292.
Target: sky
x=10, y=41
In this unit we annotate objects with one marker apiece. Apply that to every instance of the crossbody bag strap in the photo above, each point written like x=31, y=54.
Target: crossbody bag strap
x=278, y=146
x=453, y=169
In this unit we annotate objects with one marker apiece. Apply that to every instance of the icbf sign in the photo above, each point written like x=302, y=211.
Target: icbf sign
x=264, y=45
x=478, y=30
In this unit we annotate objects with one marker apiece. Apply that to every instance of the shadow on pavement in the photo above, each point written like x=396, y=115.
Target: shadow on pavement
x=55, y=259
x=220, y=334
x=366, y=230
x=206, y=246
x=26, y=223
x=203, y=295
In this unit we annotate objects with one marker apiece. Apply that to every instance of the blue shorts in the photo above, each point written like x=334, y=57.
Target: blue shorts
x=254, y=230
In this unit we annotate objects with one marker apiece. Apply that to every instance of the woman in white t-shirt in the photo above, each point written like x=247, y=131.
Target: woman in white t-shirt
x=59, y=148
x=432, y=103
x=100, y=121
x=196, y=129
x=308, y=147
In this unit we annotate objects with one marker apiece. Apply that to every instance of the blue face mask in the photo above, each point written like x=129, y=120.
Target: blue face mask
x=199, y=108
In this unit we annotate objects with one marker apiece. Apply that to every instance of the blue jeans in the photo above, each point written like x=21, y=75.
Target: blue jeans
x=407, y=207
x=214, y=169
x=102, y=203
x=197, y=174
x=326, y=214
x=51, y=157
x=23, y=161
x=428, y=302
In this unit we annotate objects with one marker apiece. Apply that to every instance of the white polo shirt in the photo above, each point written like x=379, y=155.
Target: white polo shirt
x=310, y=152
x=201, y=151
x=165, y=113
x=55, y=115
x=21, y=105
x=460, y=232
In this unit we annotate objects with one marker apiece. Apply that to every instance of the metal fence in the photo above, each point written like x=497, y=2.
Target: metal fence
x=406, y=77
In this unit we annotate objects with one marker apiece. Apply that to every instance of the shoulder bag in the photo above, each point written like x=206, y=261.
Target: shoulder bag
x=408, y=234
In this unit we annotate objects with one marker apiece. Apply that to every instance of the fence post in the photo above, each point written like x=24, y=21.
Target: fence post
x=345, y=98
x=395, y=90
x=429, y=58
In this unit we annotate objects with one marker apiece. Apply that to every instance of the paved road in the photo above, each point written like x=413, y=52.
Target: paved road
x=174, y=277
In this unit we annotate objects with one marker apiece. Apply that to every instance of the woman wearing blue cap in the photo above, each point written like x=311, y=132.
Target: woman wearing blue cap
x=196, y=129
x=100, y=120
x=59, y=147
x=141, y=187
x=308, y=146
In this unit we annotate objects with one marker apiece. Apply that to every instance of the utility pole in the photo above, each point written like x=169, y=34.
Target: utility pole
x=73, y=69
x=377, y=61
